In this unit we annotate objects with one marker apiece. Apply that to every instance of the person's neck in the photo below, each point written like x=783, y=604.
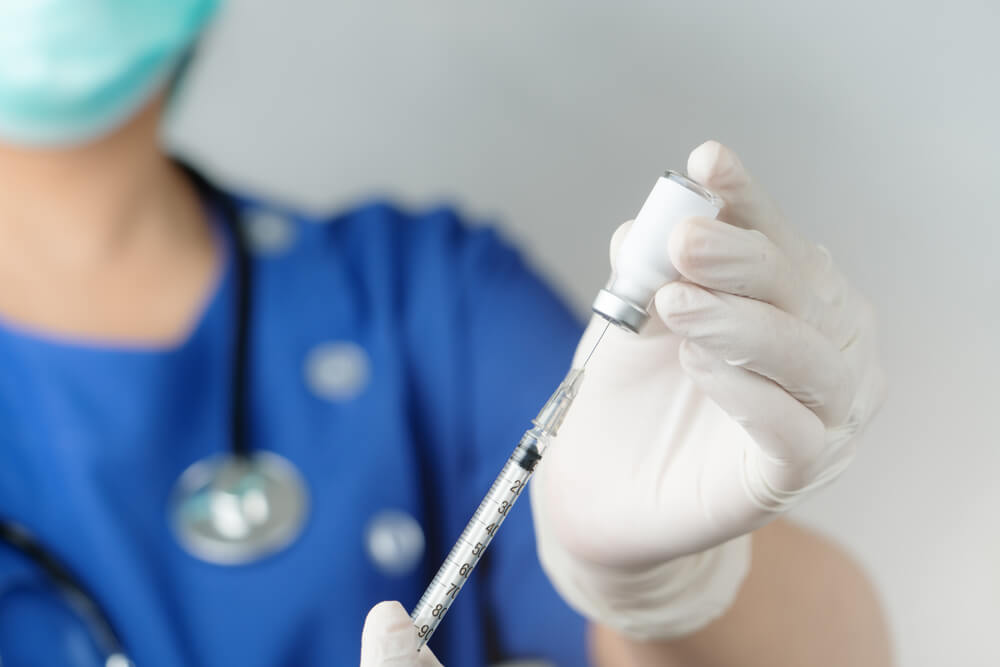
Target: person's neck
x=107, y=241
x=82, y=206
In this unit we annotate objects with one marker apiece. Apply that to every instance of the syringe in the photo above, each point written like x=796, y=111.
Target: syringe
x=642, y=267
x=493, y=509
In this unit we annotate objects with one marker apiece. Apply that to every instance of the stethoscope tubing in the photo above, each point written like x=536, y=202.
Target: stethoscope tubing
x=21, y=540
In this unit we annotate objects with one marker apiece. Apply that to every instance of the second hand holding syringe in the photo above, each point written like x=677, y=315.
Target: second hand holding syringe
x=642, y=266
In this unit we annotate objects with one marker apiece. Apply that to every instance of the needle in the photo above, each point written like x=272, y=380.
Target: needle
x=594, y=348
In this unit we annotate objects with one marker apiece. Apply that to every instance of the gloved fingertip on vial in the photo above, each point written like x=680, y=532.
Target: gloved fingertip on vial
x=681, y=298
x=616, y=241
x=688, y=242
x=715, y=165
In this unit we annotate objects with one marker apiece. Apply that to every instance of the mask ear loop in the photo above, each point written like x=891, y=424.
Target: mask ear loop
x=73, y=591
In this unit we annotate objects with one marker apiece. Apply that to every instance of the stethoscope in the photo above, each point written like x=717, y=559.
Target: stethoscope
x=233, y=508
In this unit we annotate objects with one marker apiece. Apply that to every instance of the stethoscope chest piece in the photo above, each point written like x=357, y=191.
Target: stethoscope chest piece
x=231, y=509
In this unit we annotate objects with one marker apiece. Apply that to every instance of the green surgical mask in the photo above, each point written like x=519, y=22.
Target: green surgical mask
x=74, y=70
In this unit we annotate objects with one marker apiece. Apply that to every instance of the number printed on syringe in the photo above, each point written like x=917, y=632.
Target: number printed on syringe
x=471, y=545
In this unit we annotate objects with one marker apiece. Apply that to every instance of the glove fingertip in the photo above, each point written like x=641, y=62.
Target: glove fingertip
x=385, y=614
x=713, y=164
x=389, y=638
x=616, y=241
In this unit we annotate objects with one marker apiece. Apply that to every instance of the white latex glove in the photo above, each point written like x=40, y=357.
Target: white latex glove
x=741, y=396
x=389, y=639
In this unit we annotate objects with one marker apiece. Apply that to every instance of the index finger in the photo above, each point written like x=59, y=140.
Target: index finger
x=719, y=169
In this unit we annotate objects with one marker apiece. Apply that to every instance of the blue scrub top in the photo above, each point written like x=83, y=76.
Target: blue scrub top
x=396, y=358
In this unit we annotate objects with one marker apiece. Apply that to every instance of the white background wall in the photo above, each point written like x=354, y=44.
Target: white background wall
x=875, y=124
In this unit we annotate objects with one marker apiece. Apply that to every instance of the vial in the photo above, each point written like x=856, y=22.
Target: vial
x=643, y=265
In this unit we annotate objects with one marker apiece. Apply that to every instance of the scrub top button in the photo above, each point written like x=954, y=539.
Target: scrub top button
x=337, y=371
x=268, y=233
x=395, y=542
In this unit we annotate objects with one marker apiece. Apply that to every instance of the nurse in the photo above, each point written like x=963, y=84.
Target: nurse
x=228, y=429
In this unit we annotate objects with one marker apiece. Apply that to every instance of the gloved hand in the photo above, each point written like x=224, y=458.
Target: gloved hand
x=741, y=396
x=389, y=639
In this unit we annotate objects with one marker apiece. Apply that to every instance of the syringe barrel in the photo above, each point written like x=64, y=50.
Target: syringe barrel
x=479, y=532
x=484, y=524
x=642, y=264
